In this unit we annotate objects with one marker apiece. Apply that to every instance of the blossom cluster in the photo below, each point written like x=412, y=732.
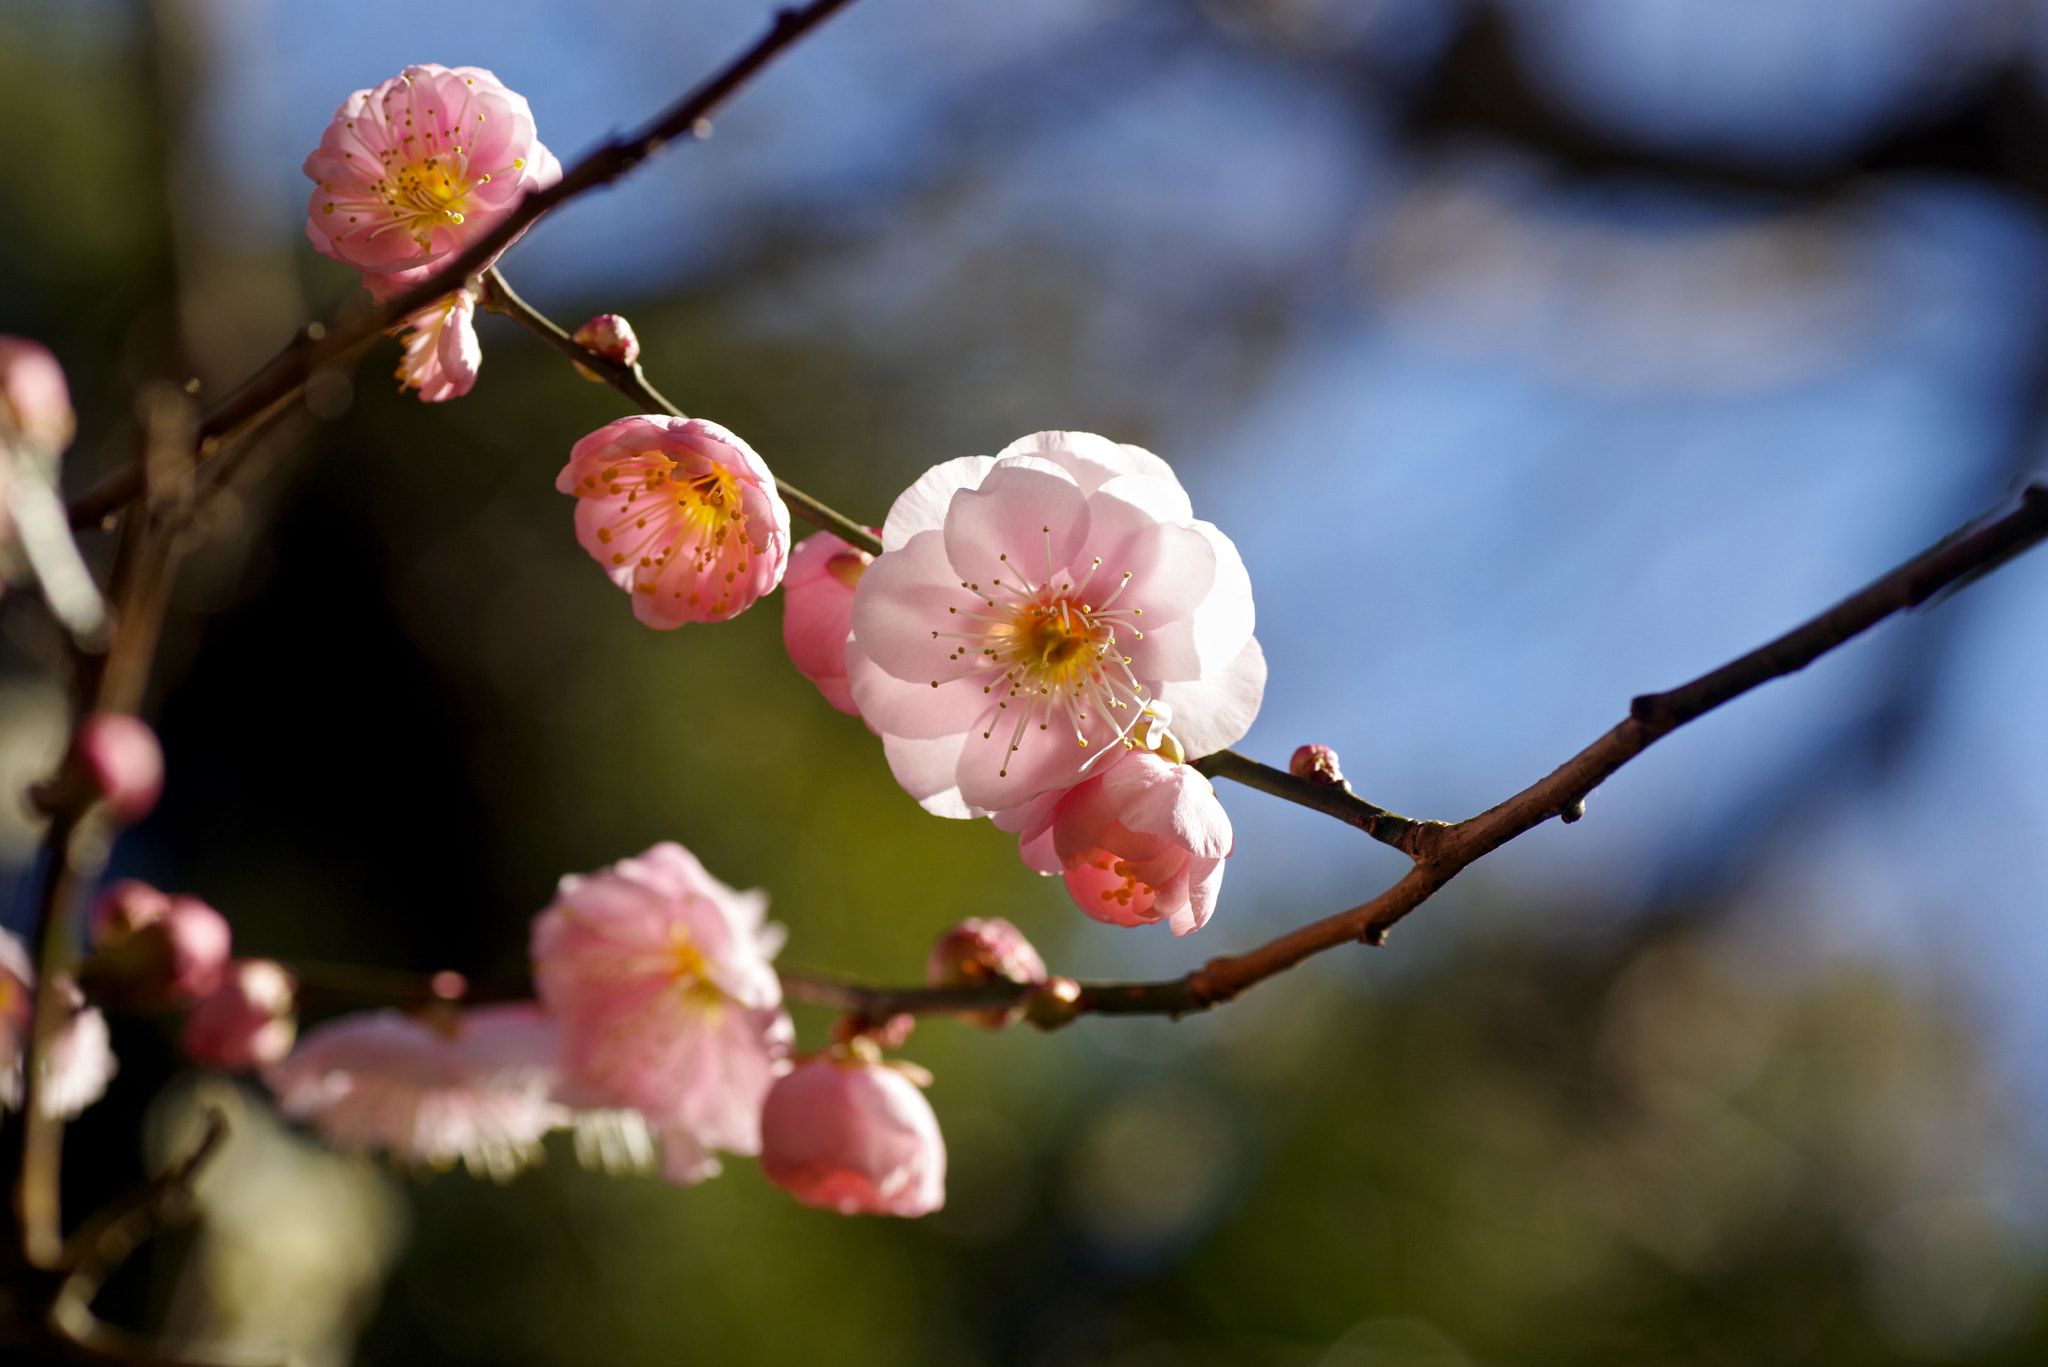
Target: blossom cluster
x=1044, y=638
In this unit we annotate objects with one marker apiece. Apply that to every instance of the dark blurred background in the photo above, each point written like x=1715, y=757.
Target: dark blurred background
x=1536, y=353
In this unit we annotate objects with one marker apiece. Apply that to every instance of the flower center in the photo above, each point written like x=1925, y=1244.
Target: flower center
x=425, y=195
x=1047, y=652
x=656, y=515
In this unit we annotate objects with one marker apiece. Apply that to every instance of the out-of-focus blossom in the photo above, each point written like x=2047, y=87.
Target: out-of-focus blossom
x=442, y=355
x=661, y=978
x=152, y=949
x=980, y=951
x=248, y=1022
x=817, y=612
x=119, y=755
x=681, y=513
x=80, y=1061
x=854, y=1135
x=1317, y=764
x=475, y=1086
x=409, y=172
x=35, y=403
x=611, y=337
x=1142, y=842
x=1025, y=610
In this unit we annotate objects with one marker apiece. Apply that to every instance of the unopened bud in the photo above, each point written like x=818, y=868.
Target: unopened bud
x=980, y=951
x=1317, y=764
x=1053, y=1003
x=248, y=1022
x=35, y=403
x=153, y=950
x=611, y=337
x=119, y=755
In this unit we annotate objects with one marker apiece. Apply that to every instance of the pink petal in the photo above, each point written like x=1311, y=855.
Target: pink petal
x=1212, y=714
x=905, y=601
x=1156, y=797
x=922, y=507
x=926, y=770
x=1009, y=515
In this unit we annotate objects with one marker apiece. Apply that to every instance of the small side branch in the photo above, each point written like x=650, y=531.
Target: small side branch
x=1441, y=852
x=1404, y=834
x=499, y=297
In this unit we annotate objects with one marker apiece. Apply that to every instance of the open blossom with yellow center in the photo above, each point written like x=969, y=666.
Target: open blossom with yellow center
x=409, y=172
x=1036, y=614
x=660, y=976
x=682, y=515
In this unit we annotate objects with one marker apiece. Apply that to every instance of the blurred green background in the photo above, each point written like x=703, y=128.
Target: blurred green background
x=1554, y=1123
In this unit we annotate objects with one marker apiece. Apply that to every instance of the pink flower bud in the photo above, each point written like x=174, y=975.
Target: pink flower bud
x=123, y=908
x=122, y=760
x=854, y=1136
x=817, y=612
x=35, y=403
x=248, y=1022
x=981, y=951
x=611, y=337
x=154, y=950
x=1317, y=764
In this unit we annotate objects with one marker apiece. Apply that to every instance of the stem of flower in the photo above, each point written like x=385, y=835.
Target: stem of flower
x=499, y=297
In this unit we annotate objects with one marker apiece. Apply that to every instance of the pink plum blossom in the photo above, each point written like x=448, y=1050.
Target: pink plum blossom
x=473, y=1085
x=153, y=949
x=80, y=1061
x=681, y=513
x=248, y=1022
x=1027, y=607
x=856, y=1136
x=124, y=763
x=1141, y=842
x=661, y=978
x=35, y=403
x=817, y=612
x=442, y=355
x=409, y=172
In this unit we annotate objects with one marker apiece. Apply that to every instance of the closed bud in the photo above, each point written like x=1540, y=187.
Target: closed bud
x=120, y=757
x=1053, y=1003
x=1317, y=764
x=153, y=950
x=611, y=337
x=248, y=1022
x=855, y=1136
x=35, y=403
x=980, y=951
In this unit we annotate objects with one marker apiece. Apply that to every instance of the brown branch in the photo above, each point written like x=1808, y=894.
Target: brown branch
x=1442, y=851
x=630, y=380
x=285, y=375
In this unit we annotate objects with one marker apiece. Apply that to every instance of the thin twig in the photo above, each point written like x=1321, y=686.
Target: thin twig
x=630, y=380
x=1442, y=851
x=287, y=372
x=105, y=1240
x=1330, y=799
